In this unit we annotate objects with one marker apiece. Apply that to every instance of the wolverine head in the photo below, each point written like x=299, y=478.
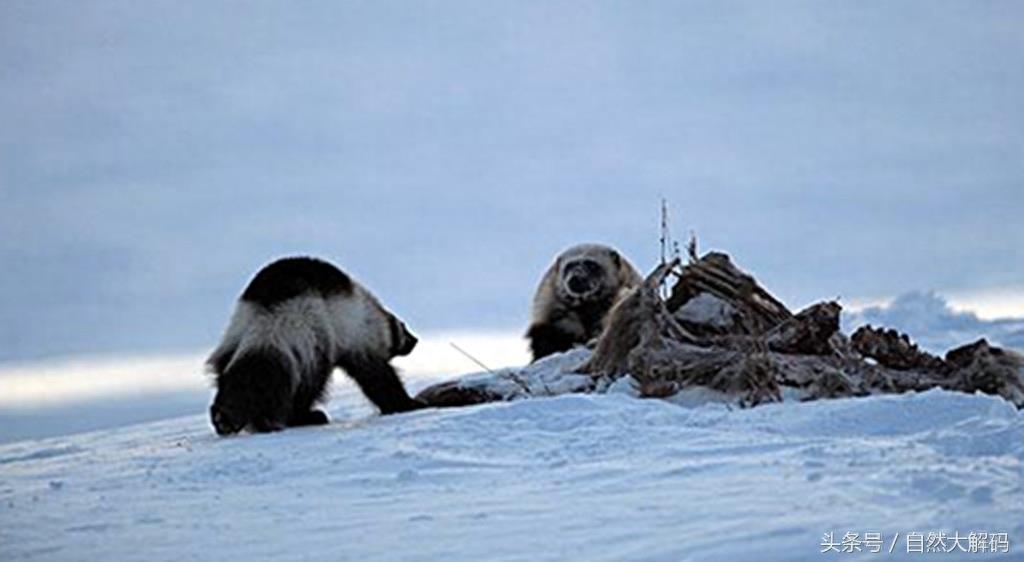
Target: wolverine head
x=589, y=272
x=229, y=412
x=401, y=339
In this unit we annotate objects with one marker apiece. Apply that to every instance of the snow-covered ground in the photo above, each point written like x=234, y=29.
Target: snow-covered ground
x=575, y=477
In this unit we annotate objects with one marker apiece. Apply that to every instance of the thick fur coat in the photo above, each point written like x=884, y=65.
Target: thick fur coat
x=296, y=321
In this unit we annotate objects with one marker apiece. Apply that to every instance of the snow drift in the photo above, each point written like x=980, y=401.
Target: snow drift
x=580, y=477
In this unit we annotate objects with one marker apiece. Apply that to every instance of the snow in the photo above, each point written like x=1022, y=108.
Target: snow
x=552, y=375
x=577, y=476
x=708, y=309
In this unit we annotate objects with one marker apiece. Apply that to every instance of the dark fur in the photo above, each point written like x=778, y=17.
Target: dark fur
x=288, y=278
x=591, y=314
x=256, y=391
x=556, y=336
x=402, y=342
x=548, y=339
x=380, y=383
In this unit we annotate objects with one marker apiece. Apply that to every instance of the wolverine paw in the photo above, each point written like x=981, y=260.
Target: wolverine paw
x=312, y=417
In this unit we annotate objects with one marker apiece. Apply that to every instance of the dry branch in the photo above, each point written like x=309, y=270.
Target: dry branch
x=716, y=275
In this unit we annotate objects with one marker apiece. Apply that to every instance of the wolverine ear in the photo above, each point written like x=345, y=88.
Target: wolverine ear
x=616, y=259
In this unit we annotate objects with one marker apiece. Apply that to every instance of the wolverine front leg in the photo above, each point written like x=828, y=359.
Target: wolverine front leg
x=554, y=336
x=380, y=383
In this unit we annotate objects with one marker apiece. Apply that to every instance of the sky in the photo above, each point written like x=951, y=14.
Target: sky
x=154, y=155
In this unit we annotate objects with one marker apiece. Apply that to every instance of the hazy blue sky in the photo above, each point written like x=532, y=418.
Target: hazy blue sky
x=153, y=155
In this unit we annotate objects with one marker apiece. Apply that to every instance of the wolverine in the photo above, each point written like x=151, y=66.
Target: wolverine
x=298, y=319
x=575, y=295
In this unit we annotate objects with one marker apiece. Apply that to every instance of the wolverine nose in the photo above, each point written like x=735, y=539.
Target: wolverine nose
x=217, y=418
x=578, y=284
x=408, y=345
x=221, y=423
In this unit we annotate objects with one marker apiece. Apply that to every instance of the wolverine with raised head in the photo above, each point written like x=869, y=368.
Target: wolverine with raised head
x=575, y=295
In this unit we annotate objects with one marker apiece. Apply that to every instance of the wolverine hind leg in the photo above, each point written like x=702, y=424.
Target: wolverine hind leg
x=311, y=391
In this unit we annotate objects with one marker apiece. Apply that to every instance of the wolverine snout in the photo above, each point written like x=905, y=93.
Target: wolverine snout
x=408, y=344
x=579, y=285
x=222, y=422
